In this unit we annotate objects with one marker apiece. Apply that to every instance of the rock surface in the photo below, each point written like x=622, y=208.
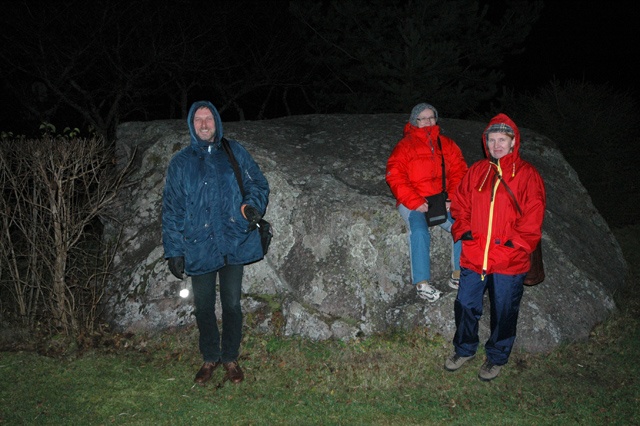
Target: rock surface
x=338, y=265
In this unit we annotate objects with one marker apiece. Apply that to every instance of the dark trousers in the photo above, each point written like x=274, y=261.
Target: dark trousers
x=213, y=348
x=505, y=293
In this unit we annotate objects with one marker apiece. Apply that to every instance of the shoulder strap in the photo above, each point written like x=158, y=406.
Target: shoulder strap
x=234, y=163
x=510, y=192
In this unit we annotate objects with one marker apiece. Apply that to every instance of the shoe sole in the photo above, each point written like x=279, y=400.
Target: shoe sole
x=488, y=379
x=484, y=379
x=430, y=300
x=453, y=285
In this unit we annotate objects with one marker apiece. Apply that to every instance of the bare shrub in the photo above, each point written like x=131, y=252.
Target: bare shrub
x=53, y=264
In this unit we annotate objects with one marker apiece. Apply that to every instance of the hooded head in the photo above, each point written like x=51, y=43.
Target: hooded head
x=501, y=124
x=217, y=124
x=415, y=112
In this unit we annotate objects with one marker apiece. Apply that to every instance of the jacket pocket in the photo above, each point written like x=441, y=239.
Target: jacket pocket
x=472, y=251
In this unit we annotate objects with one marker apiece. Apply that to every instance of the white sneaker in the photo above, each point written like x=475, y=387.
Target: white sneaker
x=454, y=281
x=426, y=292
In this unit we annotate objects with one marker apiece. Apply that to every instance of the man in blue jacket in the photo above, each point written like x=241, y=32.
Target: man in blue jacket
x=209, y=232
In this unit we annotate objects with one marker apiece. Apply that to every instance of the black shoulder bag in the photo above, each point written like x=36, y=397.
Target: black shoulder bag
x=264, y=227
x=437, y=203
x=536, y=272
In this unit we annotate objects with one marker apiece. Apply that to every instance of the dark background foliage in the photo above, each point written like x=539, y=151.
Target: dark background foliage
x=99, y=63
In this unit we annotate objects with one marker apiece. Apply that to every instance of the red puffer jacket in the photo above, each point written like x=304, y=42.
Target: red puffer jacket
x=414, y=169
x=503, y=238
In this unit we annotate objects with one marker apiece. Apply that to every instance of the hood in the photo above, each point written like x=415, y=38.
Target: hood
x=506, y=166
x=503, y=119
x=195, y=140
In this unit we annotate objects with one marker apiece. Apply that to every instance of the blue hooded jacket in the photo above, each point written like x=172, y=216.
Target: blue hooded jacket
x=201, y=217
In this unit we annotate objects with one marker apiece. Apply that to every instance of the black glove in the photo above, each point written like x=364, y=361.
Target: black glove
x=467, y=236
x=253, y=216
x=176, y=266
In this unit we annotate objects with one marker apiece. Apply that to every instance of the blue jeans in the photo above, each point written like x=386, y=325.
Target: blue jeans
x=420, y=243
x=505, y=293
x=204, y=298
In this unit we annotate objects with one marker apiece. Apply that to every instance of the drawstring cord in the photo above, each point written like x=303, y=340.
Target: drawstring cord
x=485, y=178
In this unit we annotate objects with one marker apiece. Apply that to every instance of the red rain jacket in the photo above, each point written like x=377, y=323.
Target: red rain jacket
x=414, y=169
x=483, y=206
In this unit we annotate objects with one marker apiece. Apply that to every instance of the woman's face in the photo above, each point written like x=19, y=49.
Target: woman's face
x=499, y=144
x=426, y=118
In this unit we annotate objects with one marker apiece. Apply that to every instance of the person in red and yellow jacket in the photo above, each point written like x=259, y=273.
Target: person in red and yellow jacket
x=414, y=172
x=499, y=208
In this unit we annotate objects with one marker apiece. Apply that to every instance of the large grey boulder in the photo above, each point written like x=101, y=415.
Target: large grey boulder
x=338, y=266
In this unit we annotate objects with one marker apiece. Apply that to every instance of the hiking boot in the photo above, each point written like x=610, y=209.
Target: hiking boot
x=489, y=371
x=454, y=281
x=456, y=361
x=426, y=292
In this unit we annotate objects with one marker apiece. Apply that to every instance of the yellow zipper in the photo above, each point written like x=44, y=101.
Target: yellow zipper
x=490, y=228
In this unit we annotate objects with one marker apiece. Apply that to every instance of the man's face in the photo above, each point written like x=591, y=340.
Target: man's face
x=499, y=144
x=204, y=124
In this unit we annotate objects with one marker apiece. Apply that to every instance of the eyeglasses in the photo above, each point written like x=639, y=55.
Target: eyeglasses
x=426, y=119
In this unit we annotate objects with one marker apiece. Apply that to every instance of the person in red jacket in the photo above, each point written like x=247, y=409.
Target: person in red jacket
x=414, y=172
x=499, y=208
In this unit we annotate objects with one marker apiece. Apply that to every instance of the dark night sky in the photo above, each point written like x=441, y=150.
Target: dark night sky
x=594, y=41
